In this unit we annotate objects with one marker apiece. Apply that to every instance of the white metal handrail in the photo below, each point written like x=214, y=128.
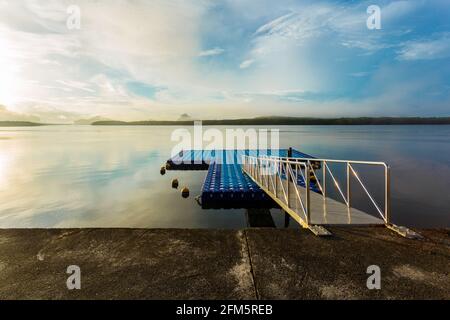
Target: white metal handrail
x=268, y=171
x=277, y=165
x=350, y=170
x=336, y=183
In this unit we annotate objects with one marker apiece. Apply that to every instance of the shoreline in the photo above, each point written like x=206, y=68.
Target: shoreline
x=260, y=121
x=223, y=264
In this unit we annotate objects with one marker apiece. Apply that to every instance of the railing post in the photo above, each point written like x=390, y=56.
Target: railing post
x=349, y=195
x=324, y=181
x=287, y=181
x=308, y=202
x=263, y=178
x=387, y=190
x=254, y=169
x=260, y=177
x=276, y=166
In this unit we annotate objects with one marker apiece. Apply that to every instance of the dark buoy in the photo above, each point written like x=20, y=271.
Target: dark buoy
x=175, y=183
x=185, y=192
x=162, y=171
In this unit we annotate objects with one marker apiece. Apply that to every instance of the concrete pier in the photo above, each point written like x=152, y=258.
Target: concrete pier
x=223, y=264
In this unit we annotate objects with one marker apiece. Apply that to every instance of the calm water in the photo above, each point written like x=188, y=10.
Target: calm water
x=83, y=176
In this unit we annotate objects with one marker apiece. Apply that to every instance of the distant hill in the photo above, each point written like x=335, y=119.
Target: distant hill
x=20, y=124
x=143, y=123
x=185, y=117
x=290, y=121
x=90, y=120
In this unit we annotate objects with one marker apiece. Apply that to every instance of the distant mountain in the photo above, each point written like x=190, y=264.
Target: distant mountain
x=20, y=124
x=184, y=117
x=142, y=123
x=90, y=120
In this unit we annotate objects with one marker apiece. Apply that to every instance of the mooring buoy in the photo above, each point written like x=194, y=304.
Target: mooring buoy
x=185, y=192
x=175, y=183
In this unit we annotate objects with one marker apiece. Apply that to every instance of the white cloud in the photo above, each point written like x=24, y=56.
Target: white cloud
x=246, y=63
x=86, y=71
x=397, y=9
x=359, y=74
x=211, y=52
x=8, y=115
x=338, y=24
x=426, y=49
x=308, y=46
x=343, y=25
x=76, y=85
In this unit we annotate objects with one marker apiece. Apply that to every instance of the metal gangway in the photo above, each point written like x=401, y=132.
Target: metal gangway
x=301, y=187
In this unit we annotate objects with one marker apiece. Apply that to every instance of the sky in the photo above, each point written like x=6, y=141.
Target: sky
x=214, y=59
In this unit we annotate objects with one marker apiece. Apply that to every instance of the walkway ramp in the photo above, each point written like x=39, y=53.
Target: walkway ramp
x=305, y=187
x=285, y=181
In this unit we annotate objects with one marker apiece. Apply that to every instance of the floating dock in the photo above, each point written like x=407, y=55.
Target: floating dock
x=291, y=180
x=201, y=159
x=226, y=185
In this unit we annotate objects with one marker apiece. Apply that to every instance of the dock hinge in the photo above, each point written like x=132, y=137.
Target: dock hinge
x=404, y=232
x=319, y=231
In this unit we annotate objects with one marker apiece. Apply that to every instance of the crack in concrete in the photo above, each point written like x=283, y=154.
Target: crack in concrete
x=252, y=272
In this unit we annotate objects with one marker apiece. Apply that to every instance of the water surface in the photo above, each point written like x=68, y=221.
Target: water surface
x=86, y=176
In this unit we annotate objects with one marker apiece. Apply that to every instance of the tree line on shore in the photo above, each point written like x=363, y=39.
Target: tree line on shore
x=261, y=121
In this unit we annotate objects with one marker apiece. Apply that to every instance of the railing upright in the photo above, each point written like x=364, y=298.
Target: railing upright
x=288, y=177
x=308, y=200
x=349, y=194
x=324, y=179
x=387, y=196
x=276, y=166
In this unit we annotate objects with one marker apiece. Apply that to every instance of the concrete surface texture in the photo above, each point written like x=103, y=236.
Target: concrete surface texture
x=223, y=264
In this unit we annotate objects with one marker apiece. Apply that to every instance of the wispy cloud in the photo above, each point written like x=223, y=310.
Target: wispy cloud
x=76, y=85
x=157, y=58
x=7, y=115
x=211, y=52
x=426, y=49
x=246, y=63
x=359, y=74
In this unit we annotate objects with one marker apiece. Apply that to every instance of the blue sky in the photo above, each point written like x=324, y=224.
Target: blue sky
x=157, y=59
